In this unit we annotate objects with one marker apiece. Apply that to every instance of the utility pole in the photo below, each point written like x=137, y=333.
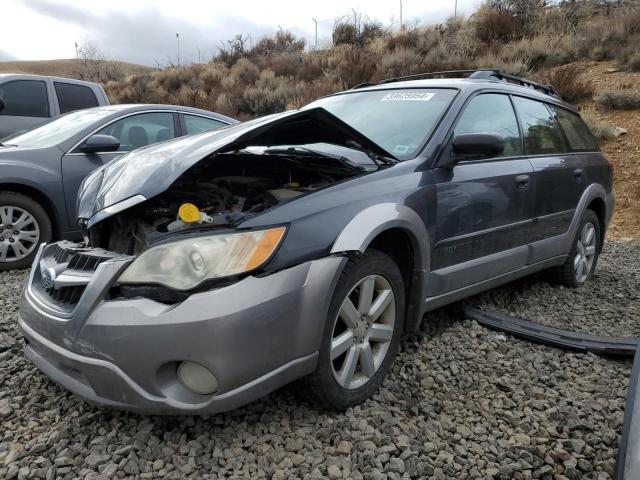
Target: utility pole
x=178, y=40
x=455, y=10
x=401, y=26
x=316, y=22
x=355, y=17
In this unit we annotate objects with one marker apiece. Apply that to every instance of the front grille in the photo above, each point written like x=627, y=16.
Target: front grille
x=67, y=258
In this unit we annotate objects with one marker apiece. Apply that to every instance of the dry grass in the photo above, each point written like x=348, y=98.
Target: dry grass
x=568, y=82
x=66, y=67
x=600, y=129
x=618, y=100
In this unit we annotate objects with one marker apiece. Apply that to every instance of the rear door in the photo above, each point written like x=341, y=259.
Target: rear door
x=559, y=173
x=133, y=131
x=192, y=124
x=74, y=97
x=26, y=105
x=484, y=207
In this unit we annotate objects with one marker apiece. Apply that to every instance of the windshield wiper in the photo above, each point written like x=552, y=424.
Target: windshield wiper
x=378, y=159
x=297, y=150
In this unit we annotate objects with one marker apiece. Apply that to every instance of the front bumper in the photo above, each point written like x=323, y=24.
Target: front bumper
x=255, y=336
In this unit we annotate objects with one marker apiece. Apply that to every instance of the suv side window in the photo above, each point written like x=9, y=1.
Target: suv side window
x=25, y=98
x=74, y=97
x=541, y=133
x=140, y=130
x=492, y=113
x=195, y=124
x=576, y=132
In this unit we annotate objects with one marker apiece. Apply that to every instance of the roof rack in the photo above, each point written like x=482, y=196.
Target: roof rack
x=480, y=74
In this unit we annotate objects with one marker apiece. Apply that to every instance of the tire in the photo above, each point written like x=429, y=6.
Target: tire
x=584, y=253
x=32, y=224
x=329, y=385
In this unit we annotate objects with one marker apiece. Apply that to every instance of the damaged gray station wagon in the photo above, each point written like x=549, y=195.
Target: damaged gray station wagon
x=219, y=267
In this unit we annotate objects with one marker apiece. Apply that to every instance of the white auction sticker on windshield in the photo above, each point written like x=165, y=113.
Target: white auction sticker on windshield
x=408, y=96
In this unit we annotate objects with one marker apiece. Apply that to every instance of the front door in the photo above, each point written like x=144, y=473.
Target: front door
x=26, y=105
x=133, y=131
x=484, y=207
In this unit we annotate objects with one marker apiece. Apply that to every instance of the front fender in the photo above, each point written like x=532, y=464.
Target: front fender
x=373, y=220
x=45, y=181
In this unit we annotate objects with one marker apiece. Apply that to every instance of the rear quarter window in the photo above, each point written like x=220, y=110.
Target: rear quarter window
x=575, y=130
x=74, y=97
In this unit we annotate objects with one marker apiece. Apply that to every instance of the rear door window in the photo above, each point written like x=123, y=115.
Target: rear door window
x=492, y=113
x=25, y=98
x=74, y=97
x=541, y=133
x=195, y=124
x=576, y=132
x=140, y=130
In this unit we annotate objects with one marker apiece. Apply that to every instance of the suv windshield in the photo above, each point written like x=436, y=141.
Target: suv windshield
x=398, y=120
x=58, y=129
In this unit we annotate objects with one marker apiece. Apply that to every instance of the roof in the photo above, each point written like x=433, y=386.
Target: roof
x=479, y=79
x=136, y=107
x=30, y=76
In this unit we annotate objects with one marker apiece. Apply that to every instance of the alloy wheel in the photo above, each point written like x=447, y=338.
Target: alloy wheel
x=19, y=233
x=363, y=331
x=585, y=252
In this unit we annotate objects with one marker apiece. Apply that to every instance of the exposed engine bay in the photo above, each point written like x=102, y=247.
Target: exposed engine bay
x=221, y=191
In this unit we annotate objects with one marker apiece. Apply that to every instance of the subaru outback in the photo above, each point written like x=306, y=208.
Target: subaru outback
x=300, y=246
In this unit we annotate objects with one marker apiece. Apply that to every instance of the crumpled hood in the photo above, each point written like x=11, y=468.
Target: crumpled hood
x=149, y=171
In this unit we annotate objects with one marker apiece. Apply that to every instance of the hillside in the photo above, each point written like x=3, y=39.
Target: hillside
x=588, y=49
x=69, y=67
x=624, y=150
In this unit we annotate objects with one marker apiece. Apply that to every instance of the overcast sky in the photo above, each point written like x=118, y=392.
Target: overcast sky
x=144, y=31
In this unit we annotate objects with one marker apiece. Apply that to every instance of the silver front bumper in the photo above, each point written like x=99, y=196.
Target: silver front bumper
x=255, y=336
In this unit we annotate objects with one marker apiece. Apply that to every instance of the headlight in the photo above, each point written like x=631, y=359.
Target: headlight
x=186, y=263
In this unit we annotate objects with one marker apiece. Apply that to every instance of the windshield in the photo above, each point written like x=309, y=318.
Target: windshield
x=57, y=130
x=397, y=120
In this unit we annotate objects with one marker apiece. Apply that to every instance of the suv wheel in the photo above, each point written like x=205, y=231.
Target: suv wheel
x=581, y=262
x=362, y=332
x=24, y=224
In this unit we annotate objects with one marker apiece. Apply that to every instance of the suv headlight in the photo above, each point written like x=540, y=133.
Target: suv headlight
x=184, y=264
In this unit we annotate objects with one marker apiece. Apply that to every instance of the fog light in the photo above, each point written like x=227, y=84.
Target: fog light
x=197, y=378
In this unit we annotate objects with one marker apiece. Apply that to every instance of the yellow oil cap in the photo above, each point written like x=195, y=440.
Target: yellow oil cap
x=188, y=213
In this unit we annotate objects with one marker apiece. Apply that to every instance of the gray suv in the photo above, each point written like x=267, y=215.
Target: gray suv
x=28, y=100
x=219, y=267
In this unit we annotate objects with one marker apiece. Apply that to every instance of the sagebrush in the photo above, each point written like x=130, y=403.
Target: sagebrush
x=524, y=37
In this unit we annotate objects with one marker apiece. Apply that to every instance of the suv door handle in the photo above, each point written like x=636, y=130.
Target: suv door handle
x=522, y=181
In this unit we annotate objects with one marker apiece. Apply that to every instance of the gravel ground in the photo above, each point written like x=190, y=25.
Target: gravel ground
x=461, y=402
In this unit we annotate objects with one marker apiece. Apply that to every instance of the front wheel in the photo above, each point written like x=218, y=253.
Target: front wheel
x=362, y=332
x=24, y=224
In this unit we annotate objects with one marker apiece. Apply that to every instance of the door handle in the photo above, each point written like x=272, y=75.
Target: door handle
x=522, y=181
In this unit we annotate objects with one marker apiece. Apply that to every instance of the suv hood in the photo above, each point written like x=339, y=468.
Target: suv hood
x=149, y=171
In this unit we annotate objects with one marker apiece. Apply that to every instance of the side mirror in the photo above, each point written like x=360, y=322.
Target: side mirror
x=2, y=104
x=100, y=143
x=477, y=145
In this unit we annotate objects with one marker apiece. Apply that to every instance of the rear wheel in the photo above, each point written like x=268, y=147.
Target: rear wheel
x=24, y=224
x=581, y=262
x=362, y=332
